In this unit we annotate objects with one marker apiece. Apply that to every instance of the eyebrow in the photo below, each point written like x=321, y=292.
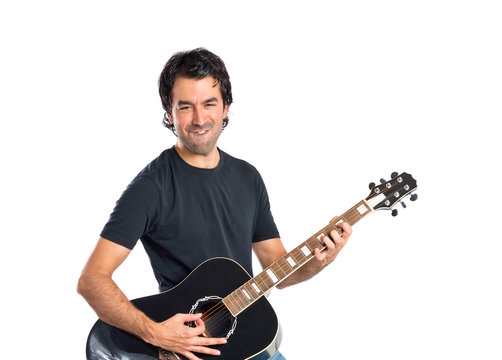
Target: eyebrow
x=184, y=102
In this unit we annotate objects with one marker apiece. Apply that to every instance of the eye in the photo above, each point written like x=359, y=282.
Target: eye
x=184, y=108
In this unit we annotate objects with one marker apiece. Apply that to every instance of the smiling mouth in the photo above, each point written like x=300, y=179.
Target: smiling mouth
x=202, y=132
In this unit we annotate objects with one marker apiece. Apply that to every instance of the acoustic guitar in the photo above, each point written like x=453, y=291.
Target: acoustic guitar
x=231, y=301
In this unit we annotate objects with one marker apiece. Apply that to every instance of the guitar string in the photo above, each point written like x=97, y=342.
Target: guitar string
x=208, y=314
x=218, y=314
x=222, y=312
x=217, y=310
x=282, y=265
x=217, y=319
x=220, y=308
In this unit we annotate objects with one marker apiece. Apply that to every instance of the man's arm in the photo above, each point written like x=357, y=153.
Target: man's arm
x=113, y=307
x=268, y=251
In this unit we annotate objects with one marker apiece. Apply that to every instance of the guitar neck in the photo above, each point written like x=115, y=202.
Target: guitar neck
x=248, y=293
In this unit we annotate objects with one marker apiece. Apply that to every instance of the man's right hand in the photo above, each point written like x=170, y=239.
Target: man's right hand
x=175, y=336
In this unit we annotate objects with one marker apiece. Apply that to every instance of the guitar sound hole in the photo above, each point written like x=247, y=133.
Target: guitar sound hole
x=216, y=317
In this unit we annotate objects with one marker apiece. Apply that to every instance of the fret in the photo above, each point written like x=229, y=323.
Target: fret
x=291, y=262
x=306, y=250
x=268, y=280
x=261, y=283
x=231, y=305
x=265, y=282
x=352, y=216
x=330, y=228
x=361, y=209
x=357, y=212
x=278, y=269
x=246, y=294
x=240, y=300
x=243, y=299
x=256, y=288
x=297, y=256
x=250, y=290
x=232, y=302
x=285, y=266
x=315, y=242
x=271, y=275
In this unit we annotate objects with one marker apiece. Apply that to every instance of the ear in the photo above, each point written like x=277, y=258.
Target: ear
x=168, y=121
x=170, y=118
x=225, y=111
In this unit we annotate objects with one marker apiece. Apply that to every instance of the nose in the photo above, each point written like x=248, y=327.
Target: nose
x=197, y=118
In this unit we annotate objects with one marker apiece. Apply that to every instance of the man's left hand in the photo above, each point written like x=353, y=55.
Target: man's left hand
x=334, y=243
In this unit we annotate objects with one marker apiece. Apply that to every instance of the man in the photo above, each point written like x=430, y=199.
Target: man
x=192, y=203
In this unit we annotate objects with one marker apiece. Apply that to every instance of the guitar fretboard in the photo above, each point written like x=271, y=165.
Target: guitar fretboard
x=248, y=293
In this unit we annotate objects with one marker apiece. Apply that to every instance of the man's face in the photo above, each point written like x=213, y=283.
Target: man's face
x=198, y=113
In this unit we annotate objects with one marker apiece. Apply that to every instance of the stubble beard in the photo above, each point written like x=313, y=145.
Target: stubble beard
x=200, y=148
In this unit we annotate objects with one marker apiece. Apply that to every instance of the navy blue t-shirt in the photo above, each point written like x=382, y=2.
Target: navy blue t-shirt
x=185, y=215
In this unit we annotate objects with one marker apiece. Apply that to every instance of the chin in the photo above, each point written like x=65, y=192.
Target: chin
x=201, y=149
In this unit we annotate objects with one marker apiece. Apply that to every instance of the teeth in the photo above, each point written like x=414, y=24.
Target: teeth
x=202, y=132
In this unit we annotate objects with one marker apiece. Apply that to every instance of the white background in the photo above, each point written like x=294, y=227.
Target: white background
x=327, y=99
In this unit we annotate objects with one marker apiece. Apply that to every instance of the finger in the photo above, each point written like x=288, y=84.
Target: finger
x=338, y=240
x=318, y=254
x=347, y=229
x=345, y=226
x=205, y=350
x=189, y=355
x=330, y=244
x=207, y=341
x=200, y=326
x=188, y=317
x=327, y=242
x=196, y=331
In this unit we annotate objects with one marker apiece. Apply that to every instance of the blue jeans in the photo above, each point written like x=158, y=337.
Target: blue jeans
x=278, y=356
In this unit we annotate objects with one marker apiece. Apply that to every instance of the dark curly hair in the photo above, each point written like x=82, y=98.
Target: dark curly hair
x=193, y=64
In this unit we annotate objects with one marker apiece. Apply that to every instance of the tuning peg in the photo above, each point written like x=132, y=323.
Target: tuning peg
x=403, y=204
x=395, y=174
x=413, y=197
x=394, y=212
x=383, y=181
x=371, y=185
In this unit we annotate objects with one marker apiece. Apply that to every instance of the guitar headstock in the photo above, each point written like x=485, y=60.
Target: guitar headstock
x=387, y=194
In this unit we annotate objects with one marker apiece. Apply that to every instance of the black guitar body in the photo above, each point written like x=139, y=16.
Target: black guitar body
x=256, y=333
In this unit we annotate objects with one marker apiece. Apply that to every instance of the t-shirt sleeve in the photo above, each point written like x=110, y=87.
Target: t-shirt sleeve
x=135, y=214
x=265, y=227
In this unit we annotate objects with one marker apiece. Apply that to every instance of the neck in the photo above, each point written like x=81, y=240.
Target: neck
x=204, y=161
